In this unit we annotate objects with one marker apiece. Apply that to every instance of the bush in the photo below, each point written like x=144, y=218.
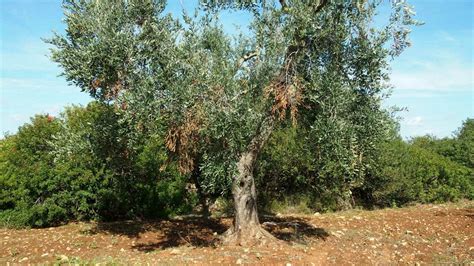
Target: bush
x=80, y=167
x=88, y=165
x=408, y=173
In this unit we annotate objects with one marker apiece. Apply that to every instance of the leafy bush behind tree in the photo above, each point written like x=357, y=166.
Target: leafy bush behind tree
x=79, y=167
x=86, y=164
x=423, y=170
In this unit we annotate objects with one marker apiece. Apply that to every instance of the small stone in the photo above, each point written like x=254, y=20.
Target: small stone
x=246, y=250
x=371, y=239
x=408, y=232
x=288, y=264
x=357, y=217
x=23, y=259
x=215, y=233
x=317, y=214
x=63, y=258
x=68, y=248
x=174, y=252
x=122, y=250
x=239, y=261
x=45, y=254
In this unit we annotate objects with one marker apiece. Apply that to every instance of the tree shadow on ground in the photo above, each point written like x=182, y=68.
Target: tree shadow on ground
x=293, y=229
x=201, y=232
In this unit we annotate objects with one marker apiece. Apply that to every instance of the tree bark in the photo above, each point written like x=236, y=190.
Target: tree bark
x=246, y=229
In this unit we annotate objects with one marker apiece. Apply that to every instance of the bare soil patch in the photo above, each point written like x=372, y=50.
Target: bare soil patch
x=418, y=234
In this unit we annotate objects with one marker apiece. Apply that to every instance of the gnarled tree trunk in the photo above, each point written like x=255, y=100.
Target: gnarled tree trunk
x=246, y=228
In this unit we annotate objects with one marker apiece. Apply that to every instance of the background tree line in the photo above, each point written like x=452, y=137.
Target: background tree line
x=89, y=163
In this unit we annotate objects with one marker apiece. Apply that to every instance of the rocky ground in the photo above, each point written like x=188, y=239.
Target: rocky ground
x=418, y=234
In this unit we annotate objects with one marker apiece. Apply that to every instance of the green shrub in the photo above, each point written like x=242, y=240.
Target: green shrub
x=408, y=173
x=80, y=167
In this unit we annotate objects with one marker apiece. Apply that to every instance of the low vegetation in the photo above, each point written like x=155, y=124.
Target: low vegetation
x=79, y=166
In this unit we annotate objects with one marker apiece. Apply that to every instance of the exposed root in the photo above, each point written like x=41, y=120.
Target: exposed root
x=249, y=236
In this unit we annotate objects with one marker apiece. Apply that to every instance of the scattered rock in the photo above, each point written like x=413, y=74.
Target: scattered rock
x=338, y=234
x=239, y=261
x=269, y=224
x=174, y=252
x=317, y=214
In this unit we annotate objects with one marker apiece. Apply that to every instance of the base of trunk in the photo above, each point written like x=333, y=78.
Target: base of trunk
x=249, y=236
x=246, y=229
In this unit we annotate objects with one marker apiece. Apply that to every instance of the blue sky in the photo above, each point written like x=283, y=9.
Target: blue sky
x=433, y=79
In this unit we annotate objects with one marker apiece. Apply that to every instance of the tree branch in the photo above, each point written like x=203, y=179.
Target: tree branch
x=321, y=5
x=246, y=57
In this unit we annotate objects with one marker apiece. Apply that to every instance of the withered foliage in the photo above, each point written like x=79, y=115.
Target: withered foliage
x=287, y=96
x=183, y=139
x=112, y=89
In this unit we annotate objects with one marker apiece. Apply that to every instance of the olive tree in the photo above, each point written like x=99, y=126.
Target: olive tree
x=218, y=96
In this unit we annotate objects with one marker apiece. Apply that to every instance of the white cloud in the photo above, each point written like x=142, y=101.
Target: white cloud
x=29, y=56
x=18, y=117
x=440, y=77
x=35, y=85
x=446, y=36
x=414, y=121
x=439, y=62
